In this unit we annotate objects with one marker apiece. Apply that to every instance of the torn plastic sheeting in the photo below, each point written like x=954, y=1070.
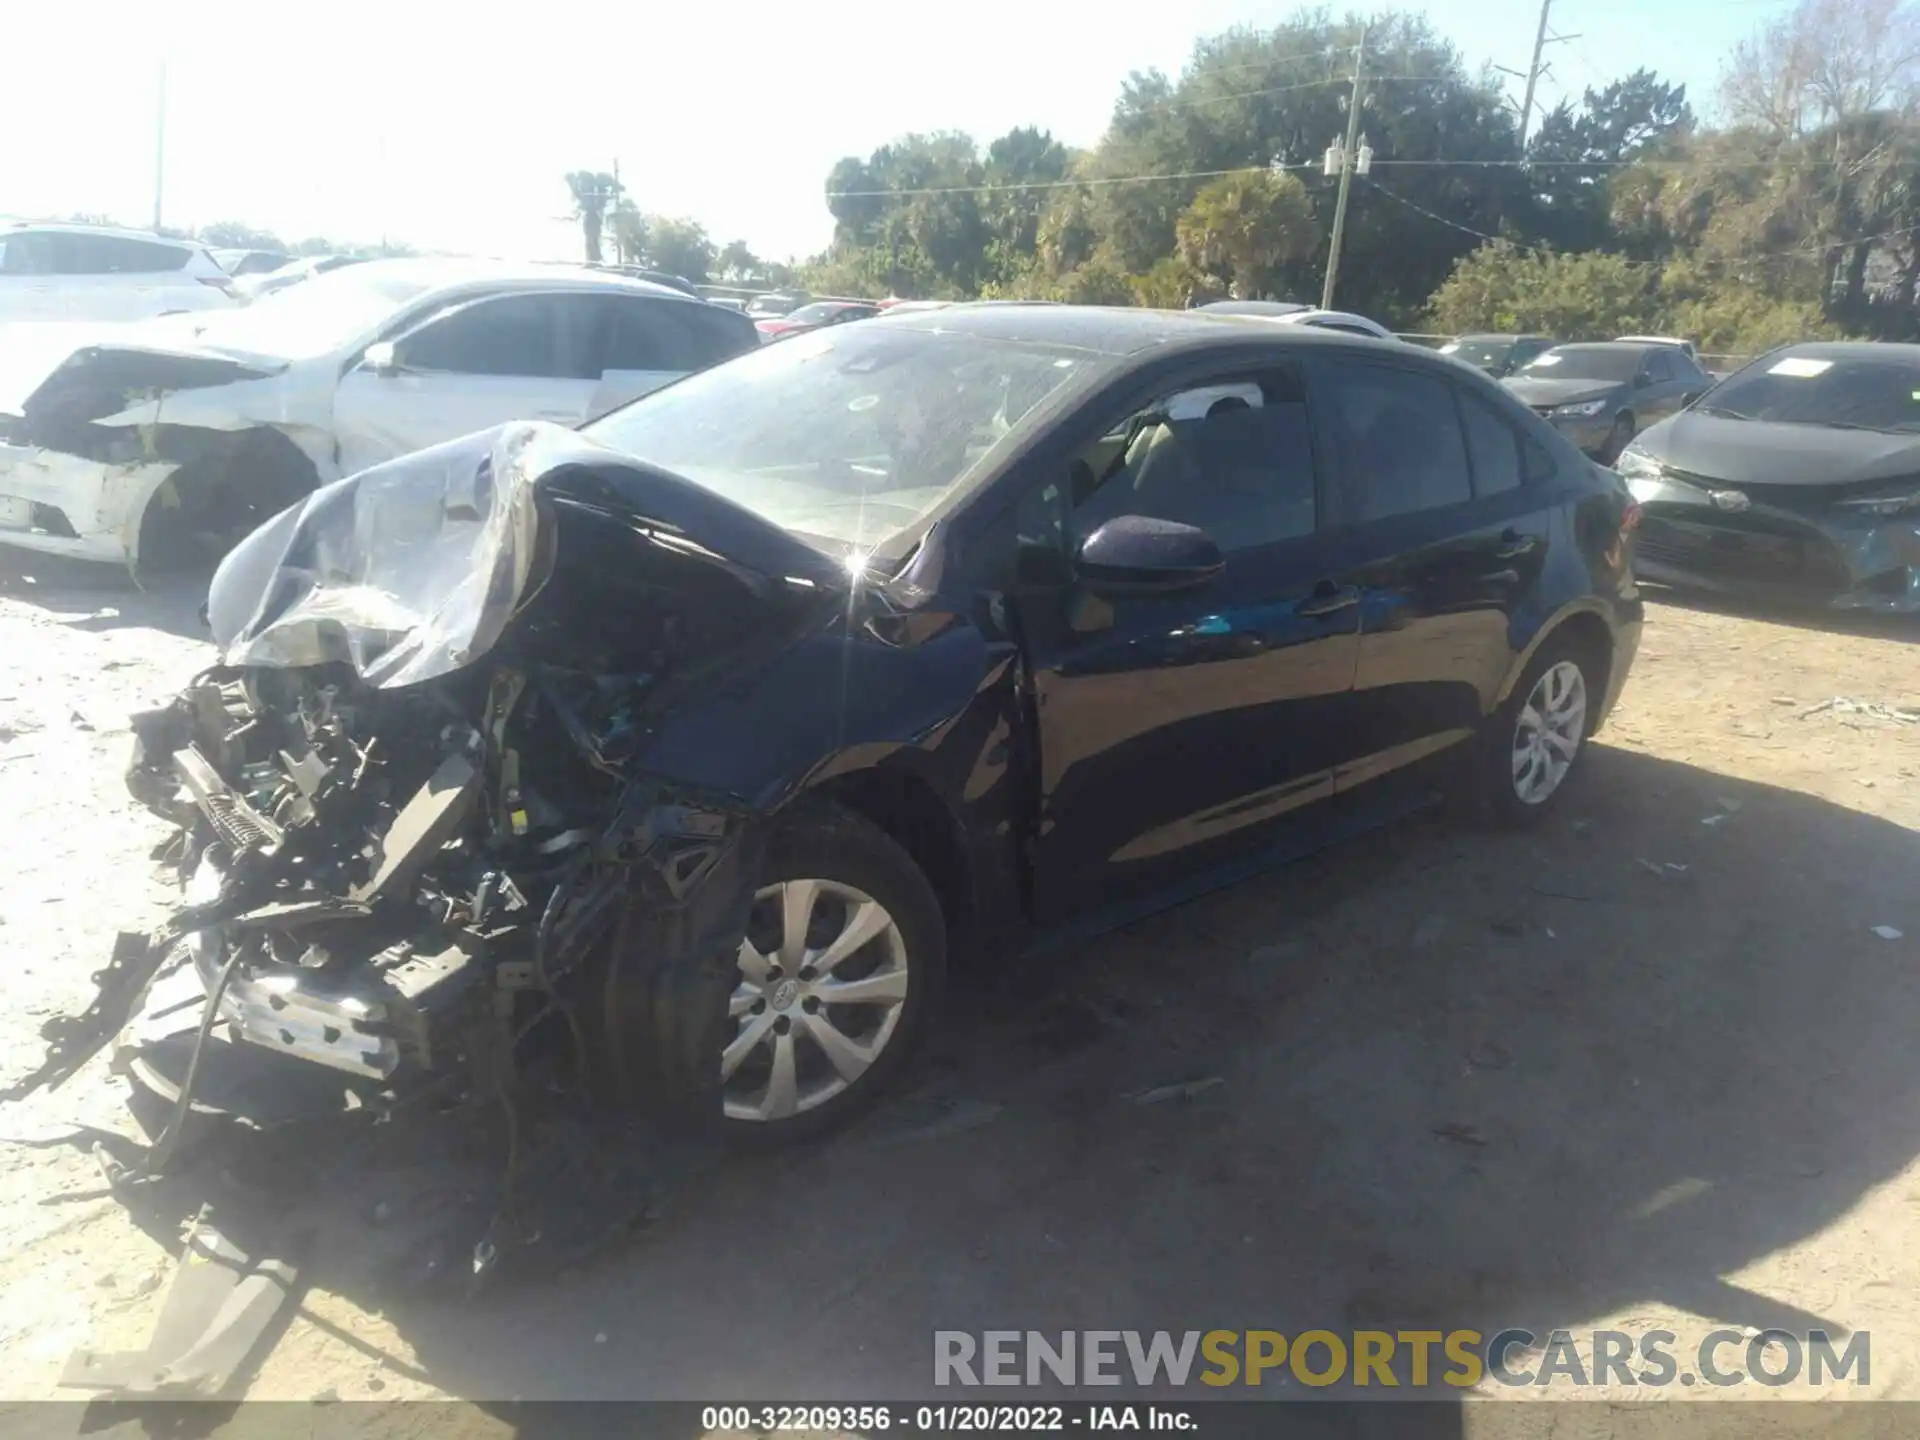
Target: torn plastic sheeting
x=406, y=571
x=413, y=569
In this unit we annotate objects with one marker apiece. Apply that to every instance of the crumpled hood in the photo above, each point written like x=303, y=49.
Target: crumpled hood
x=1759, y=452
x=1559, y=392
x=43, y=365
x=413, y=569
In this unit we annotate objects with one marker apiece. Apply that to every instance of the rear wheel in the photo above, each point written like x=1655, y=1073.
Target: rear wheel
x=1533, y=742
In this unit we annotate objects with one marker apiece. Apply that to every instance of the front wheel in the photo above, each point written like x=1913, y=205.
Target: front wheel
x=1532, y=743
x=843, y=957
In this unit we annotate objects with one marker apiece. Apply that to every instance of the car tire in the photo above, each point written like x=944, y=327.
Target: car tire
x=791, y=1061
x=1531, y=746
x=1618, y=439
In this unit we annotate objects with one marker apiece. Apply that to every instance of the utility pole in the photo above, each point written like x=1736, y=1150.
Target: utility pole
x=1346, y=173
x=1533, y=72
x=160, y=145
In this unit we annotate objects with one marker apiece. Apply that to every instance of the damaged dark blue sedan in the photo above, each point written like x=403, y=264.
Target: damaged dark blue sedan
x=704, y=739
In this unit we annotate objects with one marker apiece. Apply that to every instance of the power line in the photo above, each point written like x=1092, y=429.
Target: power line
x=1648, y=162
x=1804, y=250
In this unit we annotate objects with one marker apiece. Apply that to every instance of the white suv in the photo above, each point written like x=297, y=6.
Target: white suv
x=86, y=272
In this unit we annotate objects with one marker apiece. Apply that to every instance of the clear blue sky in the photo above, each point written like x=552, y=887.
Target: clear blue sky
x=449, y=127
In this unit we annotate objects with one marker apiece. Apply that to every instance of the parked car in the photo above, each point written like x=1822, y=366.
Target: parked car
x=1675, y=341
x=257, y=287
x=728, y=302
x=1340, y=320
x=775, y=304
x=1498, y=355
x=164, y=443
x=1269, y=308
x=88, y=272
x=727, y=720
x=1603, y=394
x=1796, y=478
x=250, y=262
x=658, y=277
x=813, y=317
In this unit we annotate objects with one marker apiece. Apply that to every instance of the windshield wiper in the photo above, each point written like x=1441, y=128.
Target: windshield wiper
x=1856, y=425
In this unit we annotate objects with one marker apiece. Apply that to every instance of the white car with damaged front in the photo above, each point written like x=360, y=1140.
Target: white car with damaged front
x=161, y=443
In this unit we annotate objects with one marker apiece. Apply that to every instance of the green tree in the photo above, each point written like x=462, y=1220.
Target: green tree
x=231, y=234
x=628, y=227
x=679, y=247
x=1577, y=153
x=737, y=262
x=1244, y=228
x=594, y=194
x=1503, y=288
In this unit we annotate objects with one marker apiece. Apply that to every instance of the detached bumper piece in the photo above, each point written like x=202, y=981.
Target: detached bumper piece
x=218, y=1309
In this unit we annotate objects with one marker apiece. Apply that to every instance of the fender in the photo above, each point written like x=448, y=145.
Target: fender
x=1607, y=613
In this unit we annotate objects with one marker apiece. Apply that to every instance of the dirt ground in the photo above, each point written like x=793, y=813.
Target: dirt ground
x=1453, y=1079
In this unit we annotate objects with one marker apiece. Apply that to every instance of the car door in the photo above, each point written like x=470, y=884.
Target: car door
x=525, y=356
x=1442, y=539
x=1180, y=732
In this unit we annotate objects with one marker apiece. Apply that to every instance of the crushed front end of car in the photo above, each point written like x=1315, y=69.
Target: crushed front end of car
x=410, y=825
x=1843, y=547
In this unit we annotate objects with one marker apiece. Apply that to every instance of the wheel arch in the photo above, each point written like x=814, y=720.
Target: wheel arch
x=214, y=463
x=1586, y=623
x=907, y=806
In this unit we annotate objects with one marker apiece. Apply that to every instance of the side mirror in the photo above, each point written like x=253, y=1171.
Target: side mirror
x=1642, y=381
x=380, y=359
x=1133, y=554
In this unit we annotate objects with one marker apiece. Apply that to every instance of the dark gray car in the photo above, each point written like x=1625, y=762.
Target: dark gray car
x=1601, y=395
x=1797, y=478
x=1498, y=355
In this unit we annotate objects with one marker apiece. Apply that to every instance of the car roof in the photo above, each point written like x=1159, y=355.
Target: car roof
x=1852, y=350
x=112, y=232
x=1115, y=330
x=1253, y=307
x=448, y=273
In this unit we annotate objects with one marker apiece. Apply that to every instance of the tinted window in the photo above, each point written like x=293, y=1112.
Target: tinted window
x=114, y=255
x=1812, y=389
x=1584, y=362
x=1234, y=458
x=1397, y=435
x=27, y=253
x=1484, y=353
x=1659, y=366
x=514, y=335
x=670, y=335
x=1493, y=446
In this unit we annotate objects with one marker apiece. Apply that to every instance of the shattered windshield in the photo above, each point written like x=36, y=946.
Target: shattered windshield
x=844, y=436
x=315, y=317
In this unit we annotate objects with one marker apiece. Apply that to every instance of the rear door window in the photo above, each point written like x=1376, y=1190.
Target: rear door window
x=672, y=335
x=76, y=254
x=1493, y=446
x=1396, y=437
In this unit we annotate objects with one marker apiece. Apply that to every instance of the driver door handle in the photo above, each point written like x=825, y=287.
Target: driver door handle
x=1328, y=598
x=1513, y=545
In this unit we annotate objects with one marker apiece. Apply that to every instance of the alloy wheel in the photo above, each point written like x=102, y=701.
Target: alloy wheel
x=1548, y=732
x=823, y=982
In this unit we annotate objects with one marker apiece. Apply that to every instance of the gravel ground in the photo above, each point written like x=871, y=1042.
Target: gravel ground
x=1453, y=1078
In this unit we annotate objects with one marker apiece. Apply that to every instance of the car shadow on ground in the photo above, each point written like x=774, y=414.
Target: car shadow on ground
x=1435, y=1078
x=86, y=596
x=1804, y=617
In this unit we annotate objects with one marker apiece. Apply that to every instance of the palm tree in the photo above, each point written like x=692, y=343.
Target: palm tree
x=594, y=192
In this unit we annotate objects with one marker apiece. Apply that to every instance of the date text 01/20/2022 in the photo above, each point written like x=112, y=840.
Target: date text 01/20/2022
x=945, y=1419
